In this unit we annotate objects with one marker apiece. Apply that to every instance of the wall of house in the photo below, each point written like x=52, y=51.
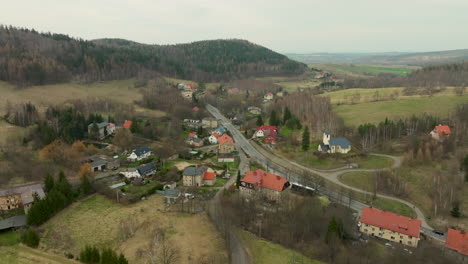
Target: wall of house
x=10, y=202
x=210, y=182
x=389, y=235
x=192, y=180
x=226, y=148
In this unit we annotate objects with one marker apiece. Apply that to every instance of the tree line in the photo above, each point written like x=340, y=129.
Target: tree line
x=28, y=57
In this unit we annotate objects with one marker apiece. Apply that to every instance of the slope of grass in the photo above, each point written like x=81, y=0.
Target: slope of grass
x=361, y=180
x=265, y=252
x=373, y=162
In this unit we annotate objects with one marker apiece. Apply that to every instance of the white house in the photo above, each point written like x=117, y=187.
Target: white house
x=140, y=153
x=131, y=173
x=212, y=139
x=268, y=96
x=334, y=145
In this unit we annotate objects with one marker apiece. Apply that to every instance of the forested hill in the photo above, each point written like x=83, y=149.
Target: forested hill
x=28, y=57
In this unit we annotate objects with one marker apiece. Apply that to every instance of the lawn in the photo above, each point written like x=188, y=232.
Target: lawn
x=393, y=206
x=97, y=221
x=8, y=131
x=375, y=112
x=373, y=162
x=265, y=252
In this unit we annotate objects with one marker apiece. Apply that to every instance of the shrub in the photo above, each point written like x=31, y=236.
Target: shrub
x=30, y=238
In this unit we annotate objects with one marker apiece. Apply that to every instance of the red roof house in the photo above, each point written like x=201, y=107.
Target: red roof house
x=195, y=109
x=192, y=135
x=443, y=130
x=457, y=240
x=262, y=179
x=191, y=86
x=225, y=138
x=209, y=176
x=390, y=221
x=265, y=131
x=127, y=124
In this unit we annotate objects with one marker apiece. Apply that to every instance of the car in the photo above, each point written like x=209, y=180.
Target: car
x=440, y=233
x=189, y=195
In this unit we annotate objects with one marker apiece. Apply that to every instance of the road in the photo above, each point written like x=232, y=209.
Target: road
x=298, y=173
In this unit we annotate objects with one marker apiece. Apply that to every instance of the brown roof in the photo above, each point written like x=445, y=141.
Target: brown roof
x=457, y=240
x=260, y=178
x=26, y=192
x=390, y=221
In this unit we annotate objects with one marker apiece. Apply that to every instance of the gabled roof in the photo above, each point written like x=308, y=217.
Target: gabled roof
x=99, y=125
x=26, y=191
x=146, y=167
x=196, y=109
x=225, y=139
x=142, y=150
x=127, y=124
x=390, y=221
x=192, y=135
x=443, y=130
x=14, y=221
x=457, y=240
x=221, y=130
x=209, y=176
x=267, y=128
x=342, y=142
x=260, y=178
x=97, y=163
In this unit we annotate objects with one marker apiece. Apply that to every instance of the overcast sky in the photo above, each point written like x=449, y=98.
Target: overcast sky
x=281, y=25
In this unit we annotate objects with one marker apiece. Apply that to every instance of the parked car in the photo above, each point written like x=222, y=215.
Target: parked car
x=189, y=195
x=438, y=232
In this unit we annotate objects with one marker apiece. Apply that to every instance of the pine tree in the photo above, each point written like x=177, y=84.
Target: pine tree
x=273, y=119
x=64, y=187
x=30, y=238
x=286, y=115
x=332, y=229
x=200, y=131
x=94, y=131
x=85, y=186
x=49, y=182
x=305, y=139
x=238, y=180
x=465, y=167
x=455, y=212
x=259, y=121
x=122, y=259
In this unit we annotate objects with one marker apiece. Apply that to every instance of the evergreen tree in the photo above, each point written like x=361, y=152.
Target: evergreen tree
x=94, y=131
x=465, y=167
x=455, y=212
x=332, y=229
x=122, y=259
x=273, y=119
x=238, y=180
x=200, y=131
x=259, y=121
x=305, y=139
x=108, y=256
x=201, y=86
x=85, y=186
x=286, y=115
x=135, y=127
x=64, y=187
x=49, y=182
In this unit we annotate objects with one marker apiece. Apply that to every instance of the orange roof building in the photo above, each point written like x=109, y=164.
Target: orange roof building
x=225, y=138
x=209, y=175
x=226, y=144
x=271, y=184
x=390, y=226
x=441, y=132
x=127, y=124
x=457, y=240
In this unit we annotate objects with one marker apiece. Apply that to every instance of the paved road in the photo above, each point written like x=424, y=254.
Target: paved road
x=298, y=173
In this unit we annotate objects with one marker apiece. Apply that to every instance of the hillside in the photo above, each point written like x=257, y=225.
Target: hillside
x=28, y=57
x=385, y=58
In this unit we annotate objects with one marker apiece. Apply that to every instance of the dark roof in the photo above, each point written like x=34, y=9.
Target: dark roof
x=99, y=125
x=14, y=221
x=26, y=192
x=142, y=150
x=195, y=171
x=324, y=147
x=196, y=140
x=342, y=142
x=327, y=133
x=146, y=167
x=97, y=163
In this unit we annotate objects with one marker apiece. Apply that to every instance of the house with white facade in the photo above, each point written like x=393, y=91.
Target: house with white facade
x=140, y=153
x=334, y=145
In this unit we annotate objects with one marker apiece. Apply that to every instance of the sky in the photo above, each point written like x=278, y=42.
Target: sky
x=299, y=26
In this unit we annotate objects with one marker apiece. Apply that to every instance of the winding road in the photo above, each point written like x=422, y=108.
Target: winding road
x=298, y=173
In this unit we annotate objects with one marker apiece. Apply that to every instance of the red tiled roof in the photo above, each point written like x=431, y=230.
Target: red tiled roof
x=209, y=176
x=443, y=130
x=273, y=130
x=457, y=240
x=260, y=178
x=195, y=109
x=127, y=124
x=191, y=85
x=390, y=221
x=224, y=139
x=192, y=135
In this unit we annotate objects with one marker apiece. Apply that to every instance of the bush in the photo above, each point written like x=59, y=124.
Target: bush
x=30, y=238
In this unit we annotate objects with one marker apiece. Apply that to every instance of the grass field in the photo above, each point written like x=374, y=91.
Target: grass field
x=97, y=220
x=361, y=70
x=265, y=252
x=375, y=112
x=121, y=91
x=8, y=131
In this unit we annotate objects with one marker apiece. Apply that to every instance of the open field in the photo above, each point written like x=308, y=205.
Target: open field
x=8, y=131
x=97, y=221
x=375, y=112
x=121, y=91
x=362, y=70
x=265, y=252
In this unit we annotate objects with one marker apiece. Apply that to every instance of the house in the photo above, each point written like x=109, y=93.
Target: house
x=320, y=75
x=131, y=173
x=170, y=195
x=334, y=145
x=213, y=139
x=280, y=94
x=193, y=176
x=264, y=183
x=209, y=178
x=457, y=240
x=187, y=94
x=194, y=123
x=392, y=227
x=226, y=144
x=127, y=124
x=263, y=131
x=103, y=129
x=146, y=170
x=254, y=110
x=13, y=222
x=226, y=157
x=195, y=109
x=192, y=135
x=210, y=122
x=194, y=142
x=20, y=197
x=140, y=153
x=102, y=162
x=440, y=132
x=233, y=91
x=268, y=97
x=236, y=119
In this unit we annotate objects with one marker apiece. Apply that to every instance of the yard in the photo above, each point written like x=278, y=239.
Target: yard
x=265, y=252
x=97, y=221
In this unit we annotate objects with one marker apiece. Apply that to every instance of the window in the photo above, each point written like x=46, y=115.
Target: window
x=373, y=229
x=393, y=238
x=401, y=237
x=365, y=230
x=409, y=242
